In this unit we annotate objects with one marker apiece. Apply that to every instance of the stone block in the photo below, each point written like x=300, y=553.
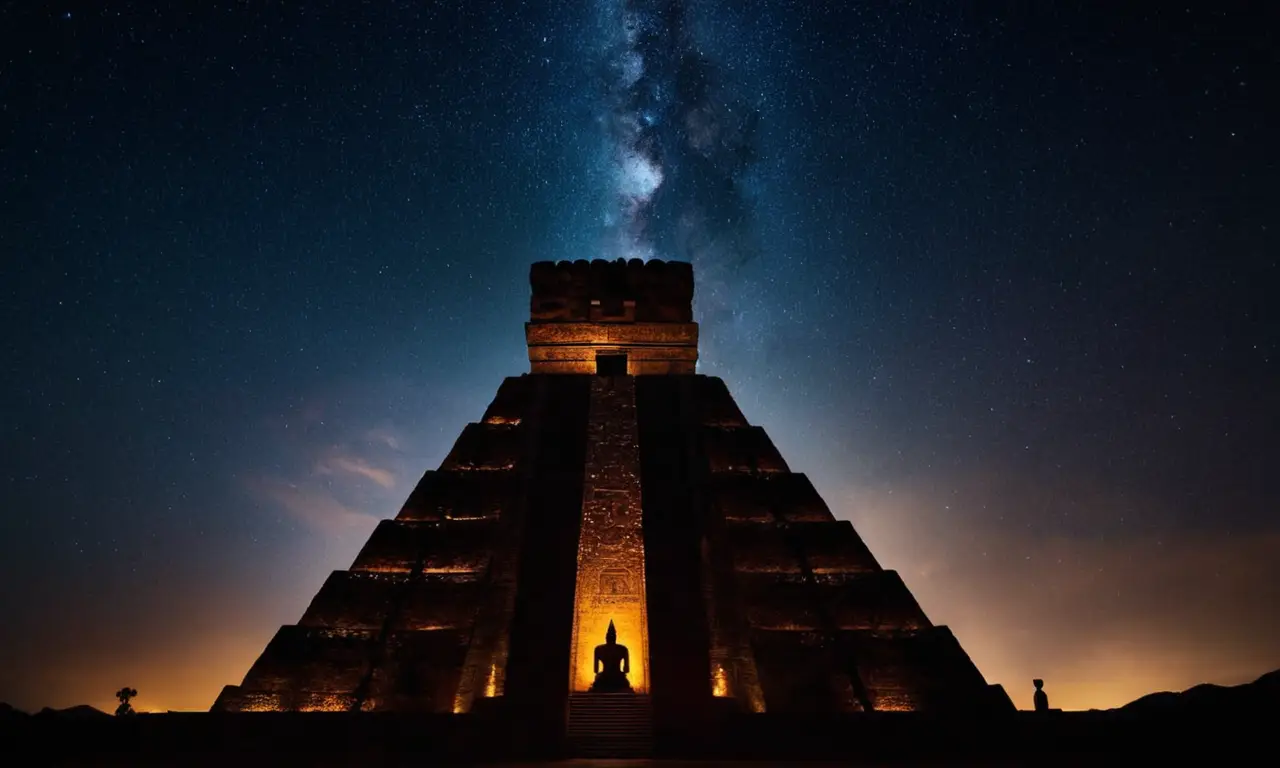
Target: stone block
x=876, y=601
x=760, y=548
x=580, y=365
x=437, y=603
x=461, y=547
x=354, y=600
x=779, y=602
x=399, y=546
x=393, y=547
x=288, y=701
x=665, y=367
x=833, y=547
x=486, y=447
x=741, y=497
x=916, y=671
x=741, y=449
x=312, y=659
x=514, y=398
x=418, y=672
x=466, y=547
x=796, y=673
x=236, y=699
x=795, y=500
x=461, y=495
x=716, y=406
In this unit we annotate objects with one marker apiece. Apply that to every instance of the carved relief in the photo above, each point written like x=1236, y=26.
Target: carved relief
x=643, y=310
x=616, y=582
x=610, y=584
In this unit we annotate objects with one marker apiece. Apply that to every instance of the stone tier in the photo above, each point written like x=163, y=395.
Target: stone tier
x=486, y=447
x=650, y=348
x=353, y=600
x=401, y=546
x=767, y=497
x=461, y=495
x=875, y=600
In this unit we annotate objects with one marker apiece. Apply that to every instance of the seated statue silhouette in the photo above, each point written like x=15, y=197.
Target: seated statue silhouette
x=1040, y=698
x=611, y=664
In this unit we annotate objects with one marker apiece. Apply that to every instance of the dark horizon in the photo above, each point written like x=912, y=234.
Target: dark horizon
x=999, y=282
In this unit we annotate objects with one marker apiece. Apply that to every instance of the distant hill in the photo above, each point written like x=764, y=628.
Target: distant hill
x=78, y=712
x=1262, y=695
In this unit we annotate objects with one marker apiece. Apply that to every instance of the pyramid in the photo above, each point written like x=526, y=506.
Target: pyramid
x=613, y=483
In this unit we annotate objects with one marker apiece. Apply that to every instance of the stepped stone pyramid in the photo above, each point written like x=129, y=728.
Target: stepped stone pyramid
x=613, y=483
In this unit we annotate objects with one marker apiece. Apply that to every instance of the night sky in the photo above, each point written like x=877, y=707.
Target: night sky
x=1002, y=283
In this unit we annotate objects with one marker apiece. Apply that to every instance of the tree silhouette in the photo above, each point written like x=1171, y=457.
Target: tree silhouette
x=124, y=694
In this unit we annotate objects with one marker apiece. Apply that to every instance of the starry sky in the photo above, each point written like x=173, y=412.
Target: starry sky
x=1000, y=281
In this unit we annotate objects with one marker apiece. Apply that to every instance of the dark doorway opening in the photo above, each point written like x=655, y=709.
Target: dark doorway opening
x=611, y=364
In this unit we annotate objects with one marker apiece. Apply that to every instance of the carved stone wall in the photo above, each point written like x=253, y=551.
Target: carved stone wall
x=611, y=583
x=643, y=310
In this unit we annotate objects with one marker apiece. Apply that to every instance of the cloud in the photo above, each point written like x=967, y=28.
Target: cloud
x=383, y=436
x=355, y=465
x=316, y=510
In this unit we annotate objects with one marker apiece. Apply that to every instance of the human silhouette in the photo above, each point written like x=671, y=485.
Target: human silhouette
x=124, y=694
x=611, y=664
x=1041, y=698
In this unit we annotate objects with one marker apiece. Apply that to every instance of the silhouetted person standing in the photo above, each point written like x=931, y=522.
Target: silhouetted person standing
x=1041, y=698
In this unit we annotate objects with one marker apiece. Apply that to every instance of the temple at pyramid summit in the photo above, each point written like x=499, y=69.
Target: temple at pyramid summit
x=612, y=550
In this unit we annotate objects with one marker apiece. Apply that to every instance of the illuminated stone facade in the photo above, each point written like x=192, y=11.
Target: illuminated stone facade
x=613, y=482
x=610, y=584
x=639, y=313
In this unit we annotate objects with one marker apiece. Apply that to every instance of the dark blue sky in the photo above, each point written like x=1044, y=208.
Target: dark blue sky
x=1002, y=283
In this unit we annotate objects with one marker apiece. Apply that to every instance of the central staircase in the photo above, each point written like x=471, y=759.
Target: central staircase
x=610, y=725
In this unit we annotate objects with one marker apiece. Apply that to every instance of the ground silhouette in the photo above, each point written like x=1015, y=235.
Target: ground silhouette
x=1230, y=722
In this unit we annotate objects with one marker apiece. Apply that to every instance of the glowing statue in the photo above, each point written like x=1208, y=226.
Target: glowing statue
x=611, y=664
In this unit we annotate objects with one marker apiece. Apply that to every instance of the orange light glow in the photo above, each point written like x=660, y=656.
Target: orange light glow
x=719, y=681
x=590, y=625
x=321, y=702
x=491, y=683
x=610, y=584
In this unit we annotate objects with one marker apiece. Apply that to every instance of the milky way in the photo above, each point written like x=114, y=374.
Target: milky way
x=678, y=142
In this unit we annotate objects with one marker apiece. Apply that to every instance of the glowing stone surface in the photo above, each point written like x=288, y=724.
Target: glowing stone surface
x=610, y=584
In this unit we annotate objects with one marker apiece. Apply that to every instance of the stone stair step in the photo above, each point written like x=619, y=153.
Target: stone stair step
x=610, y=725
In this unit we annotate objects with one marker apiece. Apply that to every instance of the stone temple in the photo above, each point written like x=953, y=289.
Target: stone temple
x=614, y=491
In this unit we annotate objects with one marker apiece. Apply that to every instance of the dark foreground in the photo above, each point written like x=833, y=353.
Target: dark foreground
x=339, y=739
